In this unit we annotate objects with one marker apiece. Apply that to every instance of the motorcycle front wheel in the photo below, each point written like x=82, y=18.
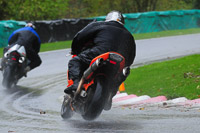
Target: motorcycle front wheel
x=66, y=111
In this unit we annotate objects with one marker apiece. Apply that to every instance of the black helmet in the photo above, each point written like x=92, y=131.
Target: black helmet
x=30, y=25
x=115, y=16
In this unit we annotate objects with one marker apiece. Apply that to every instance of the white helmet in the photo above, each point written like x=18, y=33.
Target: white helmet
x=115, y=16
x=30, y=25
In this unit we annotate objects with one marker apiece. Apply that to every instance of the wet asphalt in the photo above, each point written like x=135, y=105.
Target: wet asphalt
x=34, y=105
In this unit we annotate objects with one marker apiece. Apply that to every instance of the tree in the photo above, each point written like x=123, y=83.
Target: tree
x=3, y=5
x=35, y=9
x=197, y=4
x=174, y=5
x=57, y=9
x=146, y=5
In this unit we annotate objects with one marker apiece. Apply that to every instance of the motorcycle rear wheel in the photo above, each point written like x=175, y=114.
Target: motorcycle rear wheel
x=8, y=80
x=96, y=105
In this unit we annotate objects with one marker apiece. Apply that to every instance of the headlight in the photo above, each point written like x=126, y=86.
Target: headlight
x=21, y=59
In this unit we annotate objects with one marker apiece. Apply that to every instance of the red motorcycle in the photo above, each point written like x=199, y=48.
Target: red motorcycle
x=97, y=86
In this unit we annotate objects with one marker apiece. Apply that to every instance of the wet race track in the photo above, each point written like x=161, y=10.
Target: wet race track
x=34, y=106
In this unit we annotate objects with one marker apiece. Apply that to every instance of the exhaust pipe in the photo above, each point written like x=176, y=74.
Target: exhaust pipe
x=98, y=63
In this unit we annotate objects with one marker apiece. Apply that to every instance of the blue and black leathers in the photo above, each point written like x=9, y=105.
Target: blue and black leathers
x=28, y=38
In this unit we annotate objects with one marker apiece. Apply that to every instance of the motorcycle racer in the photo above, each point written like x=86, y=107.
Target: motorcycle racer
x=98, y=38
x=27, y=37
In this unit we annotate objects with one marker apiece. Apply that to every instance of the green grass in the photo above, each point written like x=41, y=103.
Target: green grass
x=55, y=46
x=174, y=78
x=165, y=33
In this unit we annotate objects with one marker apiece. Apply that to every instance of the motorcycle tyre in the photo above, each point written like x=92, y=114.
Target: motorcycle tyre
x=97, y=104
x=66, y=111
x=8, y=82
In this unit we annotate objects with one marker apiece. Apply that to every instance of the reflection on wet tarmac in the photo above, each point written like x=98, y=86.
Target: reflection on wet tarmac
x=21, y=107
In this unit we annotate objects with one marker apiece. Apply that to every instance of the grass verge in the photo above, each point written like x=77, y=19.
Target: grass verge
x=174, y=78
x=166, y=33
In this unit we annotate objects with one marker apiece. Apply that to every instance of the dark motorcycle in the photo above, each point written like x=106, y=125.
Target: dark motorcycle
x=97, y=86
x=15, y=62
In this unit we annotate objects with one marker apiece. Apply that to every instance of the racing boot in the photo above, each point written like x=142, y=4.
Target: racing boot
x=72, y=88
x=26, y=70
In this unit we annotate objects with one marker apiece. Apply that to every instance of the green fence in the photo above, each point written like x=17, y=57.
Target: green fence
x=6, y=29
x=160, y=21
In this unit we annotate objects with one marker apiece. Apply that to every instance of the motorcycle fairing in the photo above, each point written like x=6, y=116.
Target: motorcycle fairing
x=109, y=57
x=20, y=49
